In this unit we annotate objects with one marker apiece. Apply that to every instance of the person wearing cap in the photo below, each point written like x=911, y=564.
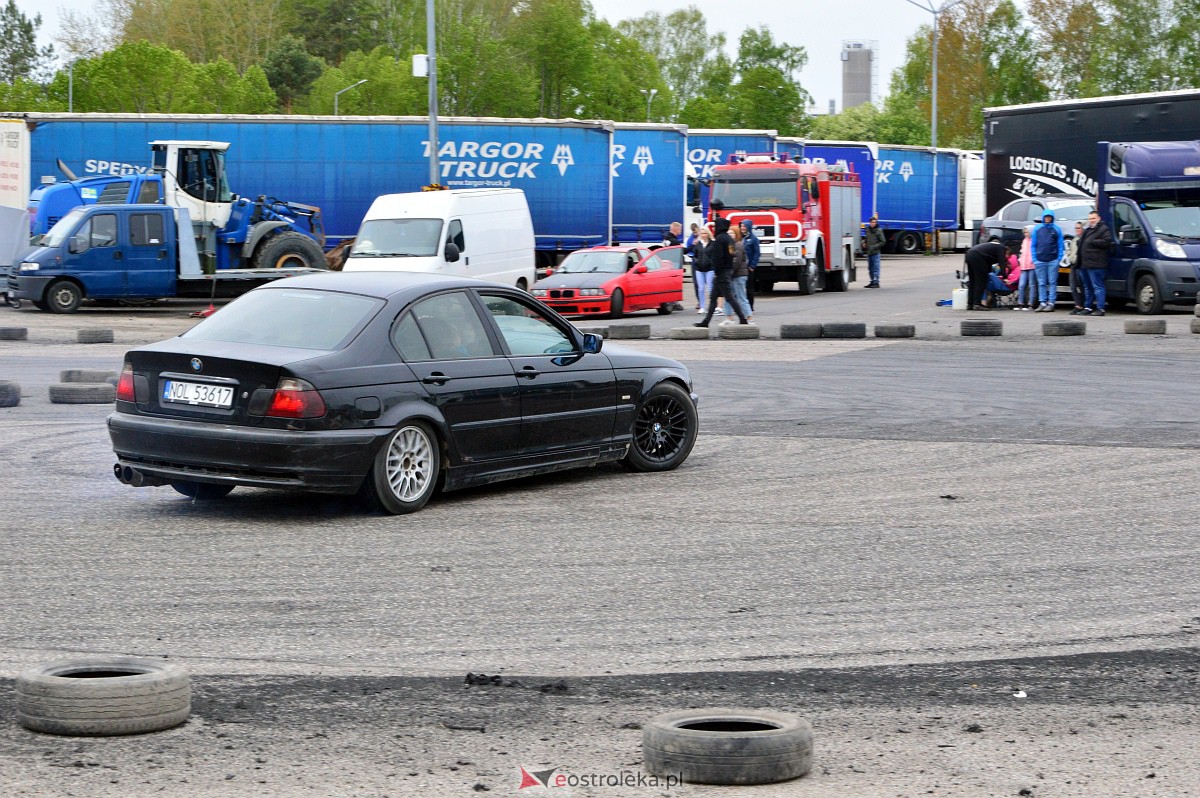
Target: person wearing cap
x=873, y=244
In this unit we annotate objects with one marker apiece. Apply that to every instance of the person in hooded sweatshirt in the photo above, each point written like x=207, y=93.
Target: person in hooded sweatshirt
x=1047, y=248
x=721, y=252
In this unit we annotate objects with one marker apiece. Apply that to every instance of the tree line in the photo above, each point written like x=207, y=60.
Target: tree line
x=556, y=58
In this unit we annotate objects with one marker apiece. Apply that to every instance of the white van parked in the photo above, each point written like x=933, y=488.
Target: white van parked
x=483, y=233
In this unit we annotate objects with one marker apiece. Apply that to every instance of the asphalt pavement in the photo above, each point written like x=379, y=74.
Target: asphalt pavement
x=862, y=507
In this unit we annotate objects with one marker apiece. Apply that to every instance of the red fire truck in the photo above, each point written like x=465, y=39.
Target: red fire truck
x=808, y=218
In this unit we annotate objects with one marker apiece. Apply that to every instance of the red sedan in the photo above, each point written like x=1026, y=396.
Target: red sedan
x=614, y=281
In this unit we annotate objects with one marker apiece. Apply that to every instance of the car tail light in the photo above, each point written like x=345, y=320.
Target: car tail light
x=125, y=391
x=296, y=399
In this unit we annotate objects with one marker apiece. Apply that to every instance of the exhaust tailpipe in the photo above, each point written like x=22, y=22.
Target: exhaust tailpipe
x=131, y=476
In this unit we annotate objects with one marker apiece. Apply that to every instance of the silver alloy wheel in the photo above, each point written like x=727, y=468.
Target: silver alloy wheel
x=409, y=463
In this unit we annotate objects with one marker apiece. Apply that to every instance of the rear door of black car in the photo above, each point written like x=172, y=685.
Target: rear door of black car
x=443, y=340
x=568, y=398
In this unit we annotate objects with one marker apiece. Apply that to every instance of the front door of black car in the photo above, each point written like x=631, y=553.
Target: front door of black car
x=568, y=398
x=444, y=342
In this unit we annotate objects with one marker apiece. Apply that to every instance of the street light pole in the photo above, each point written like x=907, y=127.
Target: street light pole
x=927, y=5
x=649, y=94
x=431, y=45
x=338, y=94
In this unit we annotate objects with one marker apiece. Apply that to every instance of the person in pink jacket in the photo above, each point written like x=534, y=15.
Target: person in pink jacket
x=1027, y=285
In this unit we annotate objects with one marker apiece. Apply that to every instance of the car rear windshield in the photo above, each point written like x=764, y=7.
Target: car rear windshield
x=291, y=317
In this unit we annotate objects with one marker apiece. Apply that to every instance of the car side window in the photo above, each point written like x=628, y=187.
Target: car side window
x=104, y=230
x=653, y=264
x=454, y=235
x=1036, y=212
x=1124, y=216
x=671, y=258
x=148, y=193
x=526, y=330
x=145, y=229
x=450, y=327
x=407, y=339
x=1017, y=212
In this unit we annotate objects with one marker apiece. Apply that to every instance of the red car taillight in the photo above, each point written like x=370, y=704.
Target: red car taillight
x=296, y=399
x=125, y=391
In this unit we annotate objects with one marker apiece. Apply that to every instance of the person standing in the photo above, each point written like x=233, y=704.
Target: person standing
x=753, y=253
x=874, y=244
x=702, y=271
x=1047, y=247
x=1094, y=246
x=980, y=259
x=721, y=257
x=672, y=238
x=1071, y=261
x=741, y=274
x=1027, y=284
x=689, y=249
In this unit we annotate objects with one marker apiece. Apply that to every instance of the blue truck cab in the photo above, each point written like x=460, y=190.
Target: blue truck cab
x=51, y=202
x=106, y=252
x=1150, y=198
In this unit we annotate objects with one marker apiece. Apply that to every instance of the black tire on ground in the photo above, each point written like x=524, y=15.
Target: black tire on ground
x=895, y=330
x=728, y=746
x=908, y=243
x=688, y=333
x=103, y=696
x=1146, y=326
x=406, y=469
x=14, y=333
x=63, y=296
x=202, y=491
x=616, y=308
x=1064, y=328
x=10, y=393
x=629, y=332
x=289, y=250
x=805, y=330
x=1195, y=325
x=86, y=375
x=981, y=327
x=843, y=329
x=739, y=332
x=666, y=308
x=82, y=393
x=94, y=336
x=40, y=305
x=522, y=284
x=664, y=429
x=1148, y=296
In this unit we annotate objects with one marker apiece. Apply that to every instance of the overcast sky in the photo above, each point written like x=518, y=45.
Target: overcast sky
x=819, y=26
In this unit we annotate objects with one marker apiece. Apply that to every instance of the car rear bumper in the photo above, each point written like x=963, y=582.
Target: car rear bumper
x=328, y=461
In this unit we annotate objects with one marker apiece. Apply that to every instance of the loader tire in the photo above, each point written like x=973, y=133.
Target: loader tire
x=289, y=250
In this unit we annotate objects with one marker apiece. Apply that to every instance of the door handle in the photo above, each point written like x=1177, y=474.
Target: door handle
x=162, y=254
x=528, y=372
x=117, y=255
x=436, y=378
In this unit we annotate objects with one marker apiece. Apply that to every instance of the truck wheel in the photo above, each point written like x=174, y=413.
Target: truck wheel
x=290, y=250
x=63, y=296
x=840, y=280
x=908, y=243
x=1148, y=297
x=809, y=279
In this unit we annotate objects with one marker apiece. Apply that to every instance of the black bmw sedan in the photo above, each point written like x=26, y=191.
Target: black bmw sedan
x=392, y=385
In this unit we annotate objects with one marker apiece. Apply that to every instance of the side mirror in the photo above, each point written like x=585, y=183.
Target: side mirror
x=1131, y=235
x=452, y=252
x=639, y=269
x=76, y=245
x=592, y=343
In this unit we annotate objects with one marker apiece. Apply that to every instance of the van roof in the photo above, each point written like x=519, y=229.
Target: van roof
x=437, y=203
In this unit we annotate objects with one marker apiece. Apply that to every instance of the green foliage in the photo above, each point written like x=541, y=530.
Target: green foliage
x=390, y=88
x=135, y=77
x=291, y=70
x=558, y=47
x=620, y=71
x=24, y=94
x=683, y=48
x=20, y=57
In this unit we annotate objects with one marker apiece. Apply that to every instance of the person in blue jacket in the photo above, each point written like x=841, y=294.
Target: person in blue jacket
x=1047, y=250
x=753, y=253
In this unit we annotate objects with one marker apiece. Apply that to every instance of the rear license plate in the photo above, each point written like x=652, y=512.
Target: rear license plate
x=195, y=393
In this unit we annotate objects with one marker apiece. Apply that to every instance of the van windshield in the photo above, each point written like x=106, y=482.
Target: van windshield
x=397, y=238
x=62, y=229
x=1178, y=218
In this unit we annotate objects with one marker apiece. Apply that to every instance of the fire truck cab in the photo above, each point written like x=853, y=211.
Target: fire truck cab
x=808, y=218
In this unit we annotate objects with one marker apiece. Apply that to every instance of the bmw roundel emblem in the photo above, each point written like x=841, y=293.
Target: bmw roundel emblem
x=197, y=365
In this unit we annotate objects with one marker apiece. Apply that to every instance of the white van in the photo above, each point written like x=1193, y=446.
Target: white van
x=483, y=233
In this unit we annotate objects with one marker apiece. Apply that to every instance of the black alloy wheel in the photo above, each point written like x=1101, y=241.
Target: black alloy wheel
x=664, y=430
